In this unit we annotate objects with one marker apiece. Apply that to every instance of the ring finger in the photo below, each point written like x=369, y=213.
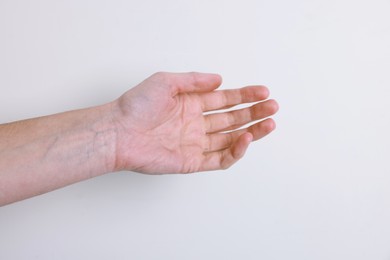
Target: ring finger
x=234, y=119
x=220, y=141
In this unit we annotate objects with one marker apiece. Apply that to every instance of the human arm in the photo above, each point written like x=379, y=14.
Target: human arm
x=157, y=127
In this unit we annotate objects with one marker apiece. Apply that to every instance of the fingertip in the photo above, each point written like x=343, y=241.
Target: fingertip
x=274, y=105
x=248, y=137
x=254, y=93
x=216, y=79
x=269, y=125
x=264, y=91
x=261, y=91
x=206, y=81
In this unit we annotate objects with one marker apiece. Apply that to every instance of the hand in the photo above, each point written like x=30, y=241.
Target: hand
x=163, y=128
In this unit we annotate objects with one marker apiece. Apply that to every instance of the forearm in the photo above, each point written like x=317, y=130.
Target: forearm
x=42, y=154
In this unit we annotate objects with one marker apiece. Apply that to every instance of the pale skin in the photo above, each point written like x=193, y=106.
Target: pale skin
x=158, y=127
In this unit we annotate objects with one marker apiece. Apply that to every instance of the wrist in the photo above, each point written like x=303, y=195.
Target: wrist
x=127, y=139
x=105, y=131
x=120, y=148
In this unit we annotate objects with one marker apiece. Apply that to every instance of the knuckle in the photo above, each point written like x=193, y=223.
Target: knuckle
x=231, y=119
x=208, y=144
x=229, y=140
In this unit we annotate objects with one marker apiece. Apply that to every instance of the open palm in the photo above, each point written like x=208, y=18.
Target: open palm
x=163, y=127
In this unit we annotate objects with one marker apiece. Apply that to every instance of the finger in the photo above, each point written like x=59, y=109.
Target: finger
x=226, y=158
x=237, y=118
x=262, y=128
x=220, y=141
x=227, y=98
x=189, y=82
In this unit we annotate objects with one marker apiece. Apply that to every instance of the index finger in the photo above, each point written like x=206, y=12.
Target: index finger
x=222, y=99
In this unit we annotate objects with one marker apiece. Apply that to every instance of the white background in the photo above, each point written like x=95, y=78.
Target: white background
x=316, y=188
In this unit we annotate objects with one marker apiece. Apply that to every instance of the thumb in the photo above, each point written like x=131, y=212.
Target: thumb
x=193, y=82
